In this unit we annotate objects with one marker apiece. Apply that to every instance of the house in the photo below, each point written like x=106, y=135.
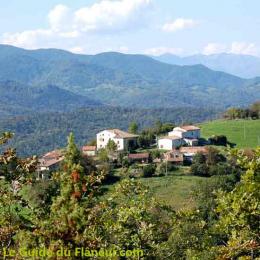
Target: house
x=189, y=133
x=123, y=140
x=89, y=150
x=49, y=162
x=170, y=142
x=139, y=157
x=174, y=157
x=190, y=152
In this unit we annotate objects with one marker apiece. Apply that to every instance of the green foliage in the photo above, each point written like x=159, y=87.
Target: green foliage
x=149, y=170
x=218, y=140
x=103, y=155
x=111, y=146
x=222, y=223
x=15, y=214
x=39, y=195
x=189, y=238
x=252, y=112
x=134, y=220
x=133, y=128
x=239, y=211
x=214, y=163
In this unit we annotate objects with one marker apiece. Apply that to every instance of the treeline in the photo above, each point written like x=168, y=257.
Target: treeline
x=252, y=112
x=42, y=132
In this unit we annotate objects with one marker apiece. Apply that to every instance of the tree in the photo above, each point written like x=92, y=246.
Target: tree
x=111, y=146
x=148, y=170
x=218, y=140
x=92, y=142
x=135, y=220
x=199, y=166
x=133, y=128
x=239, y=212
x=15, y=214
x=71, y=221
x=103, y=155
x=255, y=110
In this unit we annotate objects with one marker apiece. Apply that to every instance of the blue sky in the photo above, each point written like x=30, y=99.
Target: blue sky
x=133, y=26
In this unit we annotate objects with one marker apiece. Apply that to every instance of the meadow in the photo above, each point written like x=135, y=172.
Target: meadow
x=243, y=133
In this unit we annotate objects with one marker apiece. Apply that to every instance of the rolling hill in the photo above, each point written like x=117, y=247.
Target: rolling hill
x=126, y=80
x=244, y=133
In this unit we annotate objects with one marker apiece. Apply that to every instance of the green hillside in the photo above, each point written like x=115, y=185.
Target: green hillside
x=244, y=133
x=127, y=80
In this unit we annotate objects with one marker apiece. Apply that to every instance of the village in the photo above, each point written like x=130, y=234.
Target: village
x=177, y=148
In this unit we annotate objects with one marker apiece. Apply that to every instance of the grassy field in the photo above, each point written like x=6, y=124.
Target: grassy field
x=244, y=133
x=174, y=190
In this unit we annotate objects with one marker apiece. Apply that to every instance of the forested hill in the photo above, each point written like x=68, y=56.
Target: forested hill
x=20, y=99
x=126, y=80
x=42, y=132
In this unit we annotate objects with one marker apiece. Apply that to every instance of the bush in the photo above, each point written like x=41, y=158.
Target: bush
x=148, y=170
x=218, y=140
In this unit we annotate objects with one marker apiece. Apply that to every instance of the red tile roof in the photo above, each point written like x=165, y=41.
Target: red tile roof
x=89, y=148
x=53, y=154
x=49, y=162
x=138, y=156
x=194, y=149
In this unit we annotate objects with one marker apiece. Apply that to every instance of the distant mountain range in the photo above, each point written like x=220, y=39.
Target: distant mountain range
x=58, y=80
x=244, y=66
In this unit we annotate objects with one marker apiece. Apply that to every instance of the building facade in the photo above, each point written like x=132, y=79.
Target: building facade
x=122, y=139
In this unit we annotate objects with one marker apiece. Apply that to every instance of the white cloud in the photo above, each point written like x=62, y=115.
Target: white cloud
x=179, y=24
x=213, y=48
x=60, y=18
x=110, y=15
x=244, y=48
x=75, y=25
x=235, y=47
x=30, y=39
x=157, y=51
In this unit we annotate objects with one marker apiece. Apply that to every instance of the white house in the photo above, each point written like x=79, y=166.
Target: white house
x=122, y=139
x=187, y=131
x=170, y=142
x=179, y=136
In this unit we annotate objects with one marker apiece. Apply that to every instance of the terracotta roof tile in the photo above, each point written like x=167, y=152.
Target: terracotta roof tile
x=138, y=155
x=89, y=148
x=121, y=134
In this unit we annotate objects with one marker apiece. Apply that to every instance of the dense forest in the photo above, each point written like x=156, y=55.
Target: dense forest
x=41, y=132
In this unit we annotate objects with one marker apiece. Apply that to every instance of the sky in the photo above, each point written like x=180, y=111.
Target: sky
x=154, y=27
